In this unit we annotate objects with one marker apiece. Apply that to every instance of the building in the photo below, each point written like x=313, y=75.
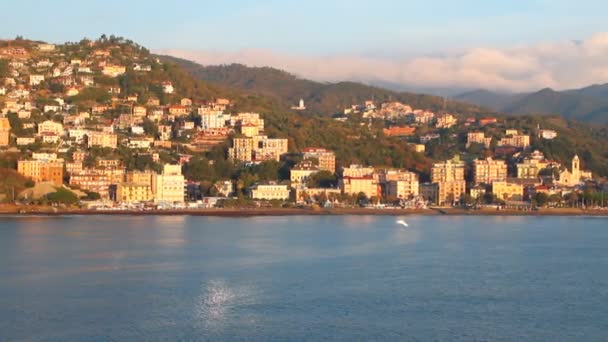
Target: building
x=169, y=187
x=247, y=118
x=92, y=180
x=451, y=184
x=21, y=141
x=419, y=148
x=5, y=131
x=547, y=134
x=168, y=88
x=575, y=176
x=477, y=191
x=249, y=130
x=178, y=110
x=270, y=192
x=102, y=139
x=400, y=184
x=402, y=189
x=396, y=131
x=113, y=70
x=134, y=192
x=241, y=150
x=42, y=170
x=139, y=177
x=451, y=170
x=257, y=148
x=213, y=119
x=446, y=121
x=326, y=158
x=479, y=138
x=488, y=170
x=356, y=185
x=300, y=173
x=49, y=126
x=36, y=79
x=531, y=167
x=451, y=192
x=508, y=191
x=300, y=105
x=513, y=138
x=357, y=171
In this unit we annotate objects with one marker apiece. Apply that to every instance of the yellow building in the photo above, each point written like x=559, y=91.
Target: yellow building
x=530, y=168
x=42, y=170
x=489, y=170
x=355, y=185
x=241, y=150
x=575, y=175
x=113, y=70
x=479, y=138
x=50, y=127
x=448, y=171
x=270, y=192
x=139, y=177
x=300, y=173
x=513, y=138
x=508, y=191
x=326, y=158
x=102, y=139
x=257, y=148
x=249, y=130
x=399, y=183
x=5, y=131
x=420, y=148
x=446, y=121
x=451, y=192
x=402, y=189
x=133, y=192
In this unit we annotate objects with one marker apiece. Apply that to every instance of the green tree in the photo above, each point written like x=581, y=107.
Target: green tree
x=62, y=196
x=322, y=179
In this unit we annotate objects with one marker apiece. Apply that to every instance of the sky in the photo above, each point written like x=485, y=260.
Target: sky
x=498, y=38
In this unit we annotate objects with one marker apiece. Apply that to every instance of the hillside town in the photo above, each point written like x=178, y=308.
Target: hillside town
x=85, y=134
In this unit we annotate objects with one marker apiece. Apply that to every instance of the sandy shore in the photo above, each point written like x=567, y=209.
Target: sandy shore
x=6, y=210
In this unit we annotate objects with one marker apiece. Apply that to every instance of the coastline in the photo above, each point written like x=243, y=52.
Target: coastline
x=13, y=211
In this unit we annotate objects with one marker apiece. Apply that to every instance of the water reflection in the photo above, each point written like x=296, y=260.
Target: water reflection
x=214, y=307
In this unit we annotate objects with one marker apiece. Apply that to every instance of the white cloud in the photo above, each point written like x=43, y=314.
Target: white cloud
x=559, y=65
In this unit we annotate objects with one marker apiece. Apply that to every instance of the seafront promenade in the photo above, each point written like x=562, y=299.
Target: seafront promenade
x=11, y=210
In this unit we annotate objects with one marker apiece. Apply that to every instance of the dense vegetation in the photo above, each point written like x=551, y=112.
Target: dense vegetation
x=320, y=98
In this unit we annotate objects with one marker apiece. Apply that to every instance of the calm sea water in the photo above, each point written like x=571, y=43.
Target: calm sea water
x=303, y=278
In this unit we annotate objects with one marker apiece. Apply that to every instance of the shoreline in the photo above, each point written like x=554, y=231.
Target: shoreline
x=13, y=211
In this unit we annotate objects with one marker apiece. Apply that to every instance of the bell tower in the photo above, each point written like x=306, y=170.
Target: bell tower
x=576, y=168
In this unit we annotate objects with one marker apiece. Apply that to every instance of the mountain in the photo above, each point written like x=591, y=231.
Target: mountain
x=589, y=104
x=319, y=98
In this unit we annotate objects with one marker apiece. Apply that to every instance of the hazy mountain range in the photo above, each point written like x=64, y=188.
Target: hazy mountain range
x=589, y=104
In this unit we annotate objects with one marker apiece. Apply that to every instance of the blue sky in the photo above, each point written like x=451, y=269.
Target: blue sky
x=309, y=27
x=513, y=45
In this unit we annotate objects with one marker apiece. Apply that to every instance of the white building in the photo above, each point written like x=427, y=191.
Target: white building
x=270, y=192
x=36, y=79
x=169, y=187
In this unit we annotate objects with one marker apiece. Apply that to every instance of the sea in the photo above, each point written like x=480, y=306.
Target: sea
x=303, y=278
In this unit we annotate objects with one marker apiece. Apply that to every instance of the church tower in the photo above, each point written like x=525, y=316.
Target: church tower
x=576, y=169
